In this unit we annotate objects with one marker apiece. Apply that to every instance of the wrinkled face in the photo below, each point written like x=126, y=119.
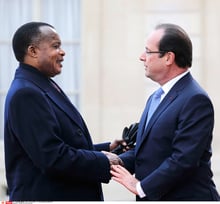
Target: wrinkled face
x=155, y=66
x=49, y=52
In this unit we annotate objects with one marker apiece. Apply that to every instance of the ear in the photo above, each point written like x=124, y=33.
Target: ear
x=170, y=58
x=32, y=51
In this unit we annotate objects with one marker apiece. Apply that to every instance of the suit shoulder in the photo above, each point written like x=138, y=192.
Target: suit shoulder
x=23, y=90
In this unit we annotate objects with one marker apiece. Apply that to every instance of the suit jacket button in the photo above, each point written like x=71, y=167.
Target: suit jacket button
x=79, y=132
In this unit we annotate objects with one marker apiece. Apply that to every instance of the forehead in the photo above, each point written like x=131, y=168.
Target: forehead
x=48, y=34
x=153, y=38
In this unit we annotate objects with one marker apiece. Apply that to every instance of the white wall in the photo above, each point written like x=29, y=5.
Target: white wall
x=114, y=88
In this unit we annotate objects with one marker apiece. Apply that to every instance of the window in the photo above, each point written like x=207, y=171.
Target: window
x=65, y=17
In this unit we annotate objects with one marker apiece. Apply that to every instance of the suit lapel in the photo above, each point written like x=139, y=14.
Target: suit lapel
x=143, y=120
x=60, y=99
x=142, y=123
x=143, y=133
x=66, y=106
x=169, y=98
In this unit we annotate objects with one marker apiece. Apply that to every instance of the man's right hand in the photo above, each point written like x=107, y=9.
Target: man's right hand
x=113, y=158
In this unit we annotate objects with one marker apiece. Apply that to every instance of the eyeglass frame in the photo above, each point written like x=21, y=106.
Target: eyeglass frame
x=155, y=52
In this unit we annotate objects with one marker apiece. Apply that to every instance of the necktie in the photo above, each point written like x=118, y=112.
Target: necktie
x=154, y=103
x=55, y=86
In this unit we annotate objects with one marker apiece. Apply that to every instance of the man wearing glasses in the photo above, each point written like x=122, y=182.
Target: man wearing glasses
x=172, y=157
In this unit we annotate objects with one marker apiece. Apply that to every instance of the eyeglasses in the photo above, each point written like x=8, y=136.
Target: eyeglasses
x=154, y=52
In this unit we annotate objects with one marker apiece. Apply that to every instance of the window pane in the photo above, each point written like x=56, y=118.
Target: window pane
x=65, y=17
x=21, y=10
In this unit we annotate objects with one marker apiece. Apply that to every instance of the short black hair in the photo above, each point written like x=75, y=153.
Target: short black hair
x=176, y=40
x=24, y=36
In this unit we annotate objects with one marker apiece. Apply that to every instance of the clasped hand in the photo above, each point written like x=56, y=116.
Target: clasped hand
x=113, y=158
x=123, y=176
x=120, y=174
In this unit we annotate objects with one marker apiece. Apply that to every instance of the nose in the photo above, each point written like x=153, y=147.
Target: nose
x=143, y=56
x=62, y=52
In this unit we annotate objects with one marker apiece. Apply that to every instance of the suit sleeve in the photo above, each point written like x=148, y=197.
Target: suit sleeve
x=190, y=148
x=35, y=127
x=128, y=159
x=102, y=146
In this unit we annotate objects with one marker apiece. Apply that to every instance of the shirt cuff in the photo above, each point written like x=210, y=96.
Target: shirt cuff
x=140, y=190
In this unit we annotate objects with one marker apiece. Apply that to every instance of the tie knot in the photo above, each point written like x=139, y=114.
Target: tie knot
x=158, y=92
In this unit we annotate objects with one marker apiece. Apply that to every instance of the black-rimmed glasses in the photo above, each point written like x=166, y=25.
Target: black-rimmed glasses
x=155, y=52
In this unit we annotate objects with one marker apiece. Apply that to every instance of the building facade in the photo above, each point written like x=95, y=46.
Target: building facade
x=102, y=74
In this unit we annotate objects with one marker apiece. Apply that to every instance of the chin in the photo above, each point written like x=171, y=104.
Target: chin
x=58, y=70
x=58, y=73
x=55, y=73
x=146, y=74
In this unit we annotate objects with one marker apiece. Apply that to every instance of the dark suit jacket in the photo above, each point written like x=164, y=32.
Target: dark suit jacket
x=49, y=154
x=172, y=156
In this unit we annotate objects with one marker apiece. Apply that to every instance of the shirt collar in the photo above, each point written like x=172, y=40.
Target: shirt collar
x=167, y=86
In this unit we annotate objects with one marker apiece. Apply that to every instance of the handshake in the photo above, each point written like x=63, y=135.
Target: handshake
x=127, y=142
x=113, y=158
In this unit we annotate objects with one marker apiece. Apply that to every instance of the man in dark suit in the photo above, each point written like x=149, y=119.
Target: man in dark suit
x=172, y=157
x=49, y=154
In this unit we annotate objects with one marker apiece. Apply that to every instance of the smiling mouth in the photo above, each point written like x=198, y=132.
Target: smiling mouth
x=60, y=62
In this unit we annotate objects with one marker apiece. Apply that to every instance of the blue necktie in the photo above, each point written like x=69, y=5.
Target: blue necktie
x=154, y=103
